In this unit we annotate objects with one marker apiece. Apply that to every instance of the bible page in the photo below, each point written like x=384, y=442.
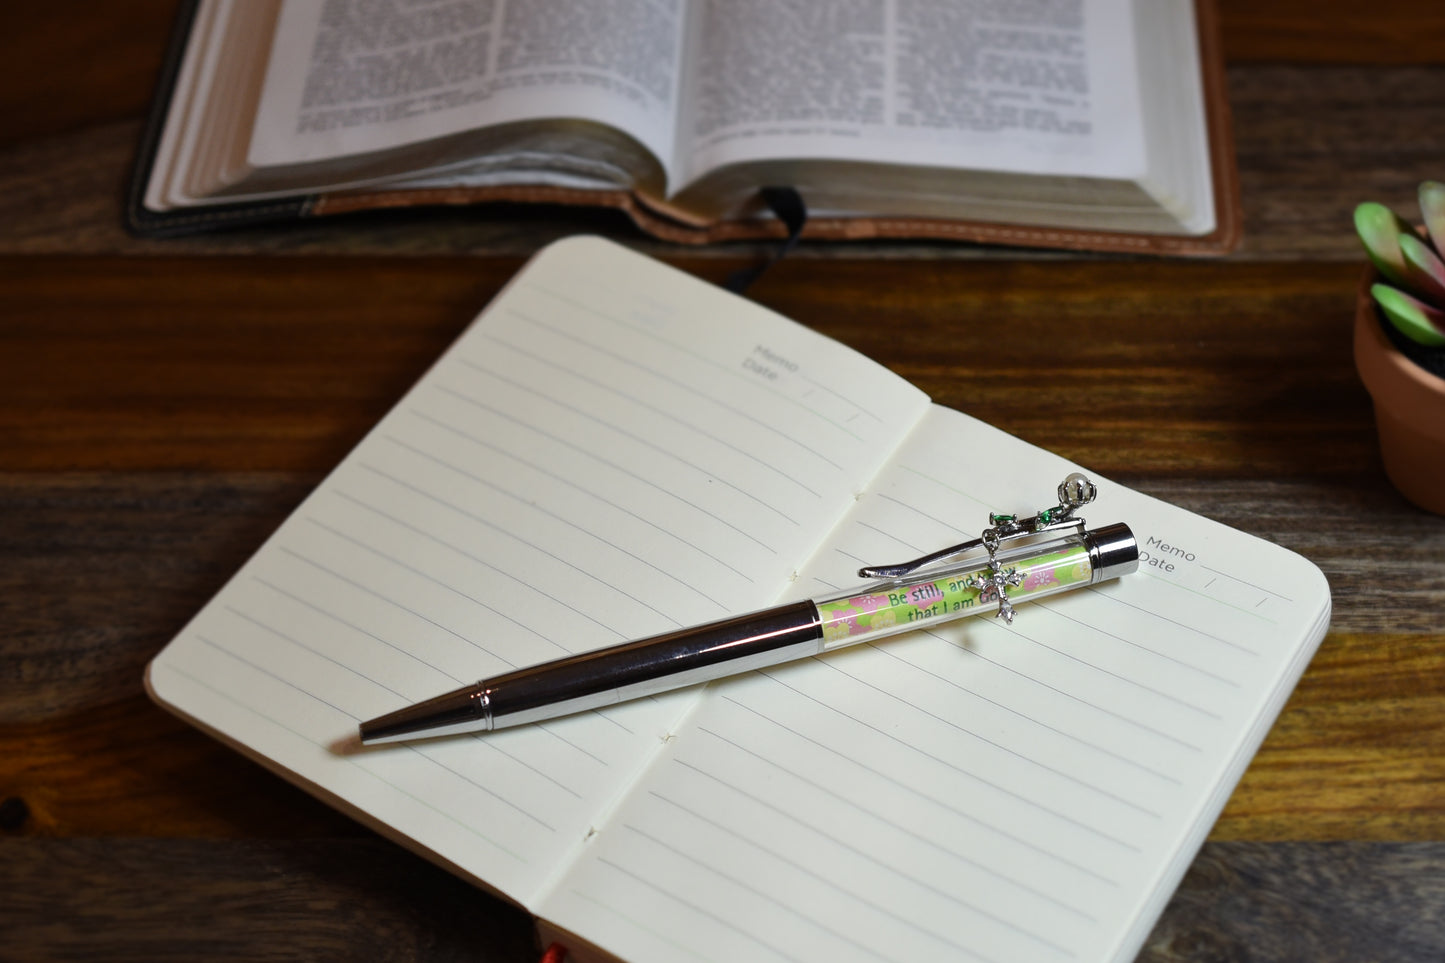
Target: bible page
x=349, y=77
x=1011, y=85
x=612, y=450
x=975, y=790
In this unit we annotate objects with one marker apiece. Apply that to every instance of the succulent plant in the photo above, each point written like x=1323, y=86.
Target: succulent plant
x=1412, y=294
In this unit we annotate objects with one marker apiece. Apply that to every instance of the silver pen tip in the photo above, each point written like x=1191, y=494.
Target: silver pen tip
x=462, y=710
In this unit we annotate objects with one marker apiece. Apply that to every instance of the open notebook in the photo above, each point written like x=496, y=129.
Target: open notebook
x=615, y=448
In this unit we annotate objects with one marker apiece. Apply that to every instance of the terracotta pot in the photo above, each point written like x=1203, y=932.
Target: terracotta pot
x=1409, y=407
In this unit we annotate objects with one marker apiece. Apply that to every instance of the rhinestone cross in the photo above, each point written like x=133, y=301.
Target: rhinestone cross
x=998, y=580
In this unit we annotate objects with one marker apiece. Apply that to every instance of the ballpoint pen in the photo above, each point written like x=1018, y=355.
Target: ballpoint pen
x=1014, y=560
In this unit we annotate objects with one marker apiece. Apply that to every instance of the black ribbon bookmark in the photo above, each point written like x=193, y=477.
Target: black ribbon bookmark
x=787, y=205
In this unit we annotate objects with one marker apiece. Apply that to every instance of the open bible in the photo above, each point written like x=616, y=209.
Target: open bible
x=1084, y=123
x=615, y=449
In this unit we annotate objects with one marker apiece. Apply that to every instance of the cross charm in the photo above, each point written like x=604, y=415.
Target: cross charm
x=998, y=580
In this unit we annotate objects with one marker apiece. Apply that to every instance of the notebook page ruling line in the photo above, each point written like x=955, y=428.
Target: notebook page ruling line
x=1015, y=781
x=428, y=558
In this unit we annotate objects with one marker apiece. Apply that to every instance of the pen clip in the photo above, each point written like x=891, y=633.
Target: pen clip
x=1075, y=491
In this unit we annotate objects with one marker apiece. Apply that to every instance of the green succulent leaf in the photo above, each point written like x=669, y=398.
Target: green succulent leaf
x=1379, y=229
x=1412, y=317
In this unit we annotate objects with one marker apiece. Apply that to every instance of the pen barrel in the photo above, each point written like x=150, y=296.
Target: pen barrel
x=656, y=664
x=941, y=595
x=1032, y=568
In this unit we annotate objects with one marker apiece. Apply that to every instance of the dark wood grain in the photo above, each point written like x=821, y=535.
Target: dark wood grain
x=72, y=65
x=331, y=899
x=1313, y=142
x=1341, y=902
x=102, y=569
x=1333, y=31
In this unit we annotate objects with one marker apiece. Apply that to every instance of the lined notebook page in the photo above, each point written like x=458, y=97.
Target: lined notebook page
x=975, y=792
x=613, y=449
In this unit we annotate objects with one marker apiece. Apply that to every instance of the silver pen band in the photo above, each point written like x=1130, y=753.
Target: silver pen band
x=1113, y=552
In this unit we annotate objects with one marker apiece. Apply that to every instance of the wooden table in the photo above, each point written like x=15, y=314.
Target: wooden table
x=163, y=405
